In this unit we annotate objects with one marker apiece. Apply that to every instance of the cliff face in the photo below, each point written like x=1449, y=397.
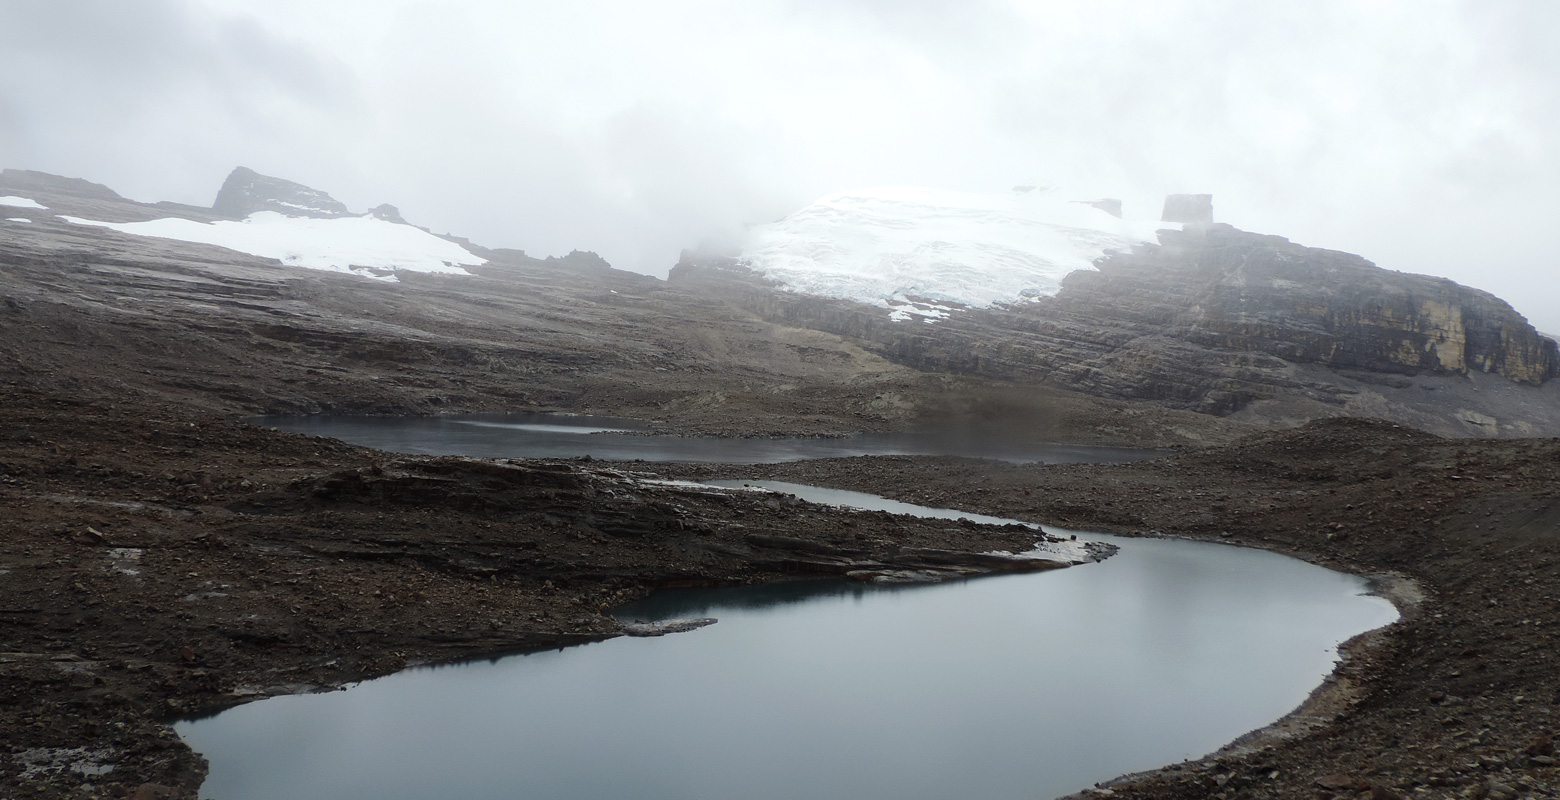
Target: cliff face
x=1210, y=319
x=1227, y=289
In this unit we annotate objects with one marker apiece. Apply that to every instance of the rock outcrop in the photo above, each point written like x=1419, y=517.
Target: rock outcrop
x=1226, y=289
x=246, y=191
x=1195, y=208
x=388, y=213
x=1210, y=319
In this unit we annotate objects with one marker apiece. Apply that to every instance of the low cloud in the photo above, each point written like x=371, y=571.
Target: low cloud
x=1414, y=133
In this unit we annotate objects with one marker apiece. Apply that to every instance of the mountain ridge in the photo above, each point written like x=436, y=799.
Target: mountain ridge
x=1243, y=326
x=1219, y=321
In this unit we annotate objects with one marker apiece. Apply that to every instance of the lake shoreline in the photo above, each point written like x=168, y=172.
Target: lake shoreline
x=141, y=537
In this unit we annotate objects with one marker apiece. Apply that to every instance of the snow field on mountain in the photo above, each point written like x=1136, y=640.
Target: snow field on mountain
x=357, y=245
x=923, y=252
x=21, y=202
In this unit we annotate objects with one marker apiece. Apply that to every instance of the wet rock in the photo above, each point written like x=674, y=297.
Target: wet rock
x=892, y=576
x=664, y=627
x=154, y=791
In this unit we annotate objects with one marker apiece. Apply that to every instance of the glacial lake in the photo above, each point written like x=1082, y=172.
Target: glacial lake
x=615, y=439
x=1019, y=686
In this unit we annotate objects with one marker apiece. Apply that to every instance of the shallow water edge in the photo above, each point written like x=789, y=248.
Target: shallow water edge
x=1070, y=571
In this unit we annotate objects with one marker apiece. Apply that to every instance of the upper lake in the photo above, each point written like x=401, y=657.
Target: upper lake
x=566, y=436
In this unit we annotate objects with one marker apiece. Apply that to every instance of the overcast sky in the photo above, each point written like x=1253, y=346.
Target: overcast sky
x=1420, y=134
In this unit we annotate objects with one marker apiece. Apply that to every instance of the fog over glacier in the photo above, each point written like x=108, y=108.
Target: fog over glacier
x=1417, y=133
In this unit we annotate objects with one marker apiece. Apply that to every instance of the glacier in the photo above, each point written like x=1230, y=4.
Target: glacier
x=924, y=253
x=361, y=245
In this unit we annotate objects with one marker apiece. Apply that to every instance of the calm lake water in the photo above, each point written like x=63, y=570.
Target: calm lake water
x=1022, y=686
x=565, y=436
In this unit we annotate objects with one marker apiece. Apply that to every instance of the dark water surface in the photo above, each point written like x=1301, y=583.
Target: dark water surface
x=611, y=438
x=1022, y=686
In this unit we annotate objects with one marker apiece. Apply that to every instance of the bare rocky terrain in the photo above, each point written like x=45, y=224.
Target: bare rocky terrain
x=1225, y=322
x=160, y=556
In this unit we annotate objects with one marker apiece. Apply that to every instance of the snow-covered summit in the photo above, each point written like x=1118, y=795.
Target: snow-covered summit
x=924, y=252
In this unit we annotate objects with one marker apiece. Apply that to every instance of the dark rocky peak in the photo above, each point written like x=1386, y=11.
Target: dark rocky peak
x=1109, y=205
x=246, y=191
x=583, y=261
x=22, y=181
x=388, y=213
x=1194, y=208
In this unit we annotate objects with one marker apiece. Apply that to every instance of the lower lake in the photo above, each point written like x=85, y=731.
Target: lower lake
x=1019, y=686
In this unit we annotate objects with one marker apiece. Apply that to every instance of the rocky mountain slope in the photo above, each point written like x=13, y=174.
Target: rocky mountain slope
x=1223, y=322
x=236, y=332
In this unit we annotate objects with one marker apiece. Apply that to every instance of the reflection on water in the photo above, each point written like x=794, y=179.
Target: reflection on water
x=1016, y=686
x=563, y=436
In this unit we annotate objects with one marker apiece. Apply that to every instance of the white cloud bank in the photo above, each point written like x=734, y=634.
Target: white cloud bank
x=1417, y=133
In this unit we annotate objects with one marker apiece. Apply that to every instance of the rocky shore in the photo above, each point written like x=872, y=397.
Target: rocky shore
x=159, y=562
x=1460, y=699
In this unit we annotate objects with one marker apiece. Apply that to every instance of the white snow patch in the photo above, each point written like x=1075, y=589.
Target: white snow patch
x=359, y=245
x=21, y=202
x=924, y=253
x=17, y=219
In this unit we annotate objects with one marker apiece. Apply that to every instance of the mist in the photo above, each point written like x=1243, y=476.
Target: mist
x=1417, y=134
